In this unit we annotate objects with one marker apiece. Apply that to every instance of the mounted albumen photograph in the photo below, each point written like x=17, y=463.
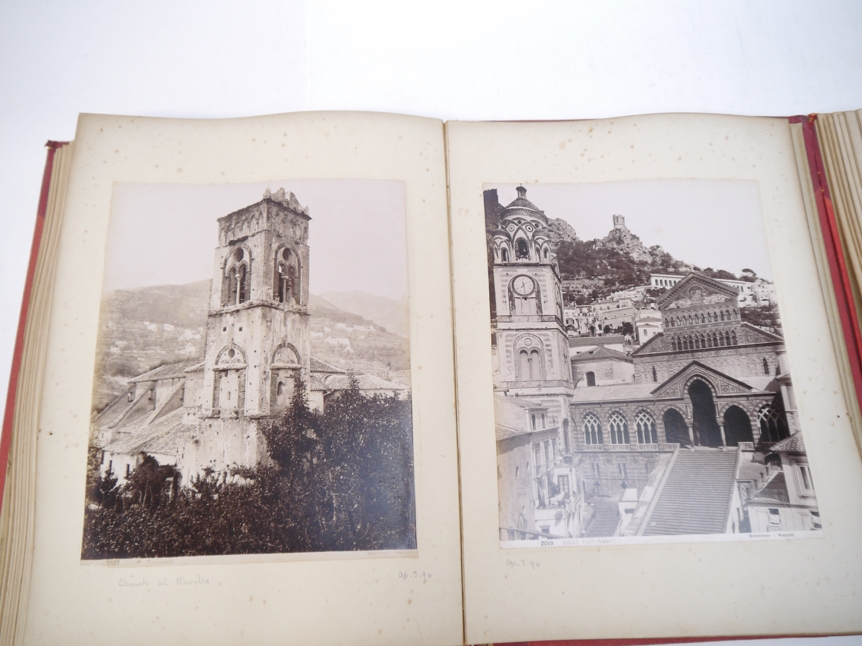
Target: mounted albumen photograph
x=252, y=379
x=642, y=387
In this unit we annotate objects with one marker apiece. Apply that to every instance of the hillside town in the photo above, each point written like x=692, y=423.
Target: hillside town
x=636, y=395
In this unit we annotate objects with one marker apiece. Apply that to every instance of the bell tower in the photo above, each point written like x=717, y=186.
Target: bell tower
x=257, y=339
x=532, y=346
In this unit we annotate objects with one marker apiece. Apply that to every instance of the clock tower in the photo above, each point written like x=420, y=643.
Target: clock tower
x=532, y=346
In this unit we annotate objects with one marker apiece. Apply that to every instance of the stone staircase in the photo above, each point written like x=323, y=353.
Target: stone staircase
x=605, y=519
x=696, y=495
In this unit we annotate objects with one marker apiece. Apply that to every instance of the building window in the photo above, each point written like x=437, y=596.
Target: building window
x=774, y=520
x=815, y=520
x=805, y=481
x=591, y=379
x=646, y=429
x=592, y=429
x=773, y=425
x=533, y=421
x=286, y=277
x=504, y=254
x=565, y=488
x=567, y=442
x=521, y=249
x=619, y=428
x=654, y=374
x=237, y=278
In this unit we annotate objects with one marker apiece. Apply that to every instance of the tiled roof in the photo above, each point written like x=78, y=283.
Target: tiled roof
x=766, y=383
x=163, y=436
x=321, y=366
x=612, y=393
x=695, y=498
x=792, y=444
x=169, y=371
x=523, y=203
x=578, y=341
x=315, y=384
x=601, y=352
x=366, y=382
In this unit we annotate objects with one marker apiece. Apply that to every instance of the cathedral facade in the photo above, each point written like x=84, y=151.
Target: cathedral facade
x=682, y=444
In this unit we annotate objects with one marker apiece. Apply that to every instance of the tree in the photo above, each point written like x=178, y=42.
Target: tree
x=150, y=483
x=338, y=480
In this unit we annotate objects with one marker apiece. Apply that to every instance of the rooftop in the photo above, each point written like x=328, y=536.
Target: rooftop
x=170, y=371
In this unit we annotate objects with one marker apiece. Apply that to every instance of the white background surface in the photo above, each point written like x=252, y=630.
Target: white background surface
x=450, y=60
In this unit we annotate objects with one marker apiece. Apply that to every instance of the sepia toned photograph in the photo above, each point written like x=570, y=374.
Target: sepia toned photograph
x=252, y=382
x=642, y=390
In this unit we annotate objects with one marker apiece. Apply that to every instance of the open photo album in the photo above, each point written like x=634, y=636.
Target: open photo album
x=366, y=378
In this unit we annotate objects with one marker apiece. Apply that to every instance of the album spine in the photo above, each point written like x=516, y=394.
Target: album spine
x=11, y=393
x=834, y=252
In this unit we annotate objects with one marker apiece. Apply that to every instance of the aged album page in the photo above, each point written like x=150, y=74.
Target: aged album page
x=631, y=440
x=270, y=457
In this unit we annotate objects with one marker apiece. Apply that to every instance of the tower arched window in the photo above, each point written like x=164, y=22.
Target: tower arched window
x=236, y=287
x=522, y=250
x=530, y=364
x=592, y=429
x=765, y=366
x=546, y=253
x=619, y=428
x=646, y=428
x=504, y=254
x=286, y=277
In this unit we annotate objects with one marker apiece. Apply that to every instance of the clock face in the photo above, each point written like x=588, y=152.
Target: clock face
x=522, y=285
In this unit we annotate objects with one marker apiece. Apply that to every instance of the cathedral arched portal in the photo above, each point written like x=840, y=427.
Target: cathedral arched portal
x=675, y=428
x=704, y=424
x=737, y=426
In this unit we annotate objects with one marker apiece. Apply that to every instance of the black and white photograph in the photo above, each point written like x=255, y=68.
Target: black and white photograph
x=642, y=389
x=252, y=379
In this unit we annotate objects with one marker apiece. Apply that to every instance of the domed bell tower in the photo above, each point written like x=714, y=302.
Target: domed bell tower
x=532, y=346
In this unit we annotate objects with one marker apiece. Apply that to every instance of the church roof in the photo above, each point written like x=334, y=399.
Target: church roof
x=579, y=341
x=524, y=206
x=170, y=371
x=342, y=382
x=600, y=353
x=162, y=437
x=321, y=366
x=765, y=383
x=792, y=444
x=620, y=392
